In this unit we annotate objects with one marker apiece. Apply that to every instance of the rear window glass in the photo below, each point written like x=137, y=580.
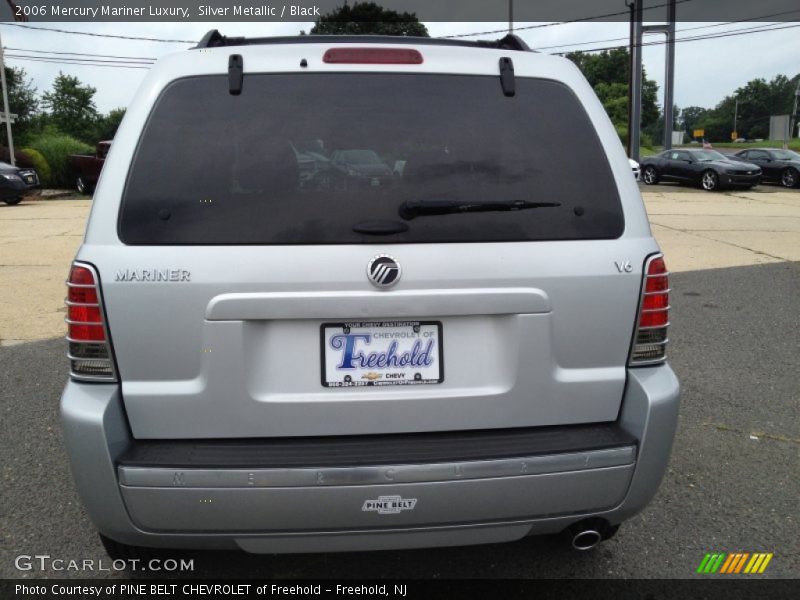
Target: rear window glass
x=311, y=158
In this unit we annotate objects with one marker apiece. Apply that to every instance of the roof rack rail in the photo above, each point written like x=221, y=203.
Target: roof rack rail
x=511, y=42
x=214, y=39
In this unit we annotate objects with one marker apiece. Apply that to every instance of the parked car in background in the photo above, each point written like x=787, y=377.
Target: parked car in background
x=87, y=167
x=312, y=162
x=709, y=169
x=363, y=166
x=635, y=168
x=17, y=183
x=779, y=166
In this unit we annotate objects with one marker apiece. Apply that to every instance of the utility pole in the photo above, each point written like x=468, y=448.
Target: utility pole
x=510, y=16
x=632, y=7
x=735, y=118
x=669, y=80
x=634, y=127
x=793, y=116
x=6, y=111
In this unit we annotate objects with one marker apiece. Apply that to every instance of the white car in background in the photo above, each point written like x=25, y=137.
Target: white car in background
x=635, y=168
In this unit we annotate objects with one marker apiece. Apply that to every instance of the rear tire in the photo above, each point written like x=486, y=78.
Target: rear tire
x=83, y=187
x=12, y=201
x=709, y=181
x=650, y=176
x=790, y=178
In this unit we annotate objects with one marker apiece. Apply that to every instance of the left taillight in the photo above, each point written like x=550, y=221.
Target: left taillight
x=90, y=353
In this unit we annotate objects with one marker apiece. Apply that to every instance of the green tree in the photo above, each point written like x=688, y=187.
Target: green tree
x=614, y=97
x=756, y=104
x=650, y=110
x=22, y=99
x=757, y=101
x=608, y=66
x=70, y=107
x=608, y=73
x=107, y=125
x=693, y=118
x=369, y=18
x=655, y=131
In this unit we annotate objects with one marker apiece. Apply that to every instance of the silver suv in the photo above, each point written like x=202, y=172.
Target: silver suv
x=344, y=293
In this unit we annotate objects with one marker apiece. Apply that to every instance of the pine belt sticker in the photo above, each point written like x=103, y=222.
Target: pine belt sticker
x=389, y=505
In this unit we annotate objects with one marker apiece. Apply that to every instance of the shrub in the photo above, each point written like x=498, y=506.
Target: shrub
x=622, y=132
x=56, y=148
x=32, y=158
x=645, y=141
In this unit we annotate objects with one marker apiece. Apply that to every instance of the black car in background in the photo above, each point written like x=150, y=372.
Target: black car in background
x=16, y=183
x=356, y=167
x=707, y=168
x=780, y=166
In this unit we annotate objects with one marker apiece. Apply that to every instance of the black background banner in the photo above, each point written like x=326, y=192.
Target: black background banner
x=425, y=10
x=504, y=589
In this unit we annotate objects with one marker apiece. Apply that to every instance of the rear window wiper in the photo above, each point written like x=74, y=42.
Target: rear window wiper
x=413, y=208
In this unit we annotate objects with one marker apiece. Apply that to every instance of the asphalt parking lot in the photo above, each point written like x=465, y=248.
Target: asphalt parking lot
x=732, y=484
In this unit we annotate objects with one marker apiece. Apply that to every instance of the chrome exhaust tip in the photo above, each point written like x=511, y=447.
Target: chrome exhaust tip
x=586, y=534
x=586, y=539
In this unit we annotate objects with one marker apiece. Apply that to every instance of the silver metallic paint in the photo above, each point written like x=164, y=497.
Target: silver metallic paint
x=209, y=357
x=96, y=434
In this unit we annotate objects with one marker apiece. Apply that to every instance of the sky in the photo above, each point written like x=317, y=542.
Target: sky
x=705, y=71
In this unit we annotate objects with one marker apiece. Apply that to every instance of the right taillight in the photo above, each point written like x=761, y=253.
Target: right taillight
x=650, y=340
x=90, y=353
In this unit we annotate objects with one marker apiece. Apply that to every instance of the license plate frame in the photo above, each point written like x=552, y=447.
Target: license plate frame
x=365, y=376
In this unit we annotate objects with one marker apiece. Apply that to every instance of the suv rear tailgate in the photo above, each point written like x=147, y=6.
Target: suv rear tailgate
x=538, y=342
x=268, y=218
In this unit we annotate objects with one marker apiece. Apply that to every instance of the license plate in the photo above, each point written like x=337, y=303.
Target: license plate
x=362, y=353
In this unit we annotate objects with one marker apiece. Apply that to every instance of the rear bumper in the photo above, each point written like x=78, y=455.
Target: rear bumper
x=366, y=506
